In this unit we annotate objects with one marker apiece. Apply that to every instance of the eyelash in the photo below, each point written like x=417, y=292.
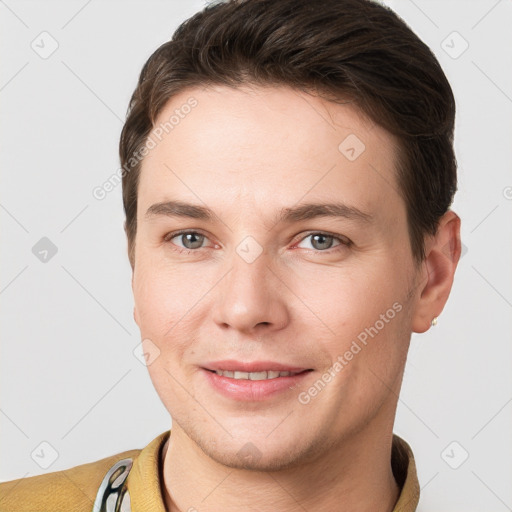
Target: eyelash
x=344, y=242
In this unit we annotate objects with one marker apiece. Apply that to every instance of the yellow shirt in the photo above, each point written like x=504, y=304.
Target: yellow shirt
x=75, y=489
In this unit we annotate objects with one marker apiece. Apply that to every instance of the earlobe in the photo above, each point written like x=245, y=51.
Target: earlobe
x=442, y=257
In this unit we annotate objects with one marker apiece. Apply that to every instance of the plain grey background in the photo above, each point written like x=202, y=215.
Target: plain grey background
x=73, y=391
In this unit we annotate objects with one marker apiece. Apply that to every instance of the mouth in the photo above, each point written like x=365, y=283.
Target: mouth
x=232, y=365
x=263, y=375
x=253, y=382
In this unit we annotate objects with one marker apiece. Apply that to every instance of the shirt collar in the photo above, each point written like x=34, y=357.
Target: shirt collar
x=145, y=481
x=404, y=471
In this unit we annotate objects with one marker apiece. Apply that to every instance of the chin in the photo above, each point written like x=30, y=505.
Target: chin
x=250, y=458
x=285, y=452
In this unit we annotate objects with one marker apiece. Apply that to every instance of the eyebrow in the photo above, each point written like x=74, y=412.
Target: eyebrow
x=286, y=215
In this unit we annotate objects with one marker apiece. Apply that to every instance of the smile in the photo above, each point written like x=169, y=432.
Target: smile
x=255, y=386
x=264, y=375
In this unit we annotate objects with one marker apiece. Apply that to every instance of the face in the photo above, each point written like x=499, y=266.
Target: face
x=267, y=279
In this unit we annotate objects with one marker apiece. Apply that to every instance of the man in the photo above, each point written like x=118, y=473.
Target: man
x=289, y=169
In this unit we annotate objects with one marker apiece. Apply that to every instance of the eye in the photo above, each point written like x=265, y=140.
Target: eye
x=191, y=240
x=322, y=242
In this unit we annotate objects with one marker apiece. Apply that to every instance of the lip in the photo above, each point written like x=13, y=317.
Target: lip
x=251, y=366
x=245, y=390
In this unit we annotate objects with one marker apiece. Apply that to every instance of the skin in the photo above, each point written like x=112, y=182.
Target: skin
x=246, y=153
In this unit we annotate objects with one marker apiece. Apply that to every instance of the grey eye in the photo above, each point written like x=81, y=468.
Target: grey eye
x=191, y=240
x=320, y=241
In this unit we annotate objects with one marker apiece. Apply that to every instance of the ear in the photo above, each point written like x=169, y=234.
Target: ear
x=135, y=314
x=129, y=249
x=442, y=256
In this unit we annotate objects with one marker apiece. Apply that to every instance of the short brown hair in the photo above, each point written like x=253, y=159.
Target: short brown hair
x=356, y=49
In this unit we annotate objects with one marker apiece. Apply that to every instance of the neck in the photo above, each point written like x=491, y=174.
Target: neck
x=355, y=475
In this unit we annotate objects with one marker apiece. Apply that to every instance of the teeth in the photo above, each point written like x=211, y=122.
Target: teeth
x=271, y=374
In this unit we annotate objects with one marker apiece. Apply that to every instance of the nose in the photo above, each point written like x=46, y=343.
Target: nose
x=252, y=298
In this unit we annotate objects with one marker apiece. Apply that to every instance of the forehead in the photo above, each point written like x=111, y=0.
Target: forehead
x=255, y=148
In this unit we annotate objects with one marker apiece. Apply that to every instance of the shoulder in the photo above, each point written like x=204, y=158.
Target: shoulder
x=70, y=489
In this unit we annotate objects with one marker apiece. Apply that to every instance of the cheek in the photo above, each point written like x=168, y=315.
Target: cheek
x=361, y=306
x=348, y=296
x=157, y=297
x=168, y=303
x=157, y=281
